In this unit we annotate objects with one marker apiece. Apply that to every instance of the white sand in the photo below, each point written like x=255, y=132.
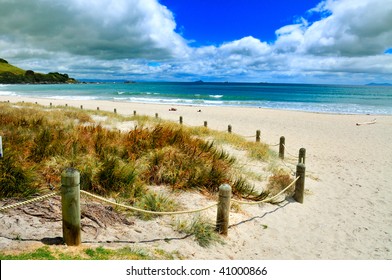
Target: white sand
x=347, y=212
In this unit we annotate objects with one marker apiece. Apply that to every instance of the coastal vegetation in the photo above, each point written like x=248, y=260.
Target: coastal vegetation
x=99, y=253
x=40, y=142
x=10, y=74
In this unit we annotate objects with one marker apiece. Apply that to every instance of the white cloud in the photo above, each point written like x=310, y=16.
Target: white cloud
x=353, y=28
x=103, y=29
x=106, y=38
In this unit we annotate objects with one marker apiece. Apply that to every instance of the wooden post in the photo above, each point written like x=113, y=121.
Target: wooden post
x=302, y=155
x=205, y=123
x=222, y=218
x=1, y=147
x=70, y=203
x=66, y=105
x=97, y=108
x=229, y=128
x=50, y=104
x=134, y=113
x=156, y=115
x=257, y=135
x=300, y=184
x=115, y=110
x=81, y=107
x=180, y=119
x=281, y=147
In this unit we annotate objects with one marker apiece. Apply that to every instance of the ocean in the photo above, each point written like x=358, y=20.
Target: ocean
x=302, y=97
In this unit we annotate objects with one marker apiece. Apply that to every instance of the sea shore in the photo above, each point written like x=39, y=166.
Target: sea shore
x=347, y=211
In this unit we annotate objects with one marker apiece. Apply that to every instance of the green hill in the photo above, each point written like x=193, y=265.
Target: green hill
x=10, y=74
x=6, y=67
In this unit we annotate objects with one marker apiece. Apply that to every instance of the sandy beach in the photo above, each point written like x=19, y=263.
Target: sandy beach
x=347, y=212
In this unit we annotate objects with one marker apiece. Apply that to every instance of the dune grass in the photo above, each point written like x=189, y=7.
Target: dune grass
x=201, y=229
x=39, y=143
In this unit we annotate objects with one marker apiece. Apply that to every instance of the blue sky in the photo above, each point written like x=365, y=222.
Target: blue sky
x=214, y=22
x=330, y=41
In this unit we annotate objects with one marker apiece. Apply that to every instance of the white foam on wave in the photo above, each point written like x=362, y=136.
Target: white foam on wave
x=72, y=97
x=216, y=96
x=8, y=93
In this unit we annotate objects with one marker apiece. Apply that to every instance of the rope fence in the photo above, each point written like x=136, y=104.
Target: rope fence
x=27, y=201
x=70, y=194
x=269, y=198
x=146, y=211
x=71, y=215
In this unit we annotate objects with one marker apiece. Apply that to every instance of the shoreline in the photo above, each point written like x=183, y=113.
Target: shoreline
x=61, y=102
x=346, y=212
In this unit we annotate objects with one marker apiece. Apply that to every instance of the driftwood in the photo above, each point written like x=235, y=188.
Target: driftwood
x=365, y=123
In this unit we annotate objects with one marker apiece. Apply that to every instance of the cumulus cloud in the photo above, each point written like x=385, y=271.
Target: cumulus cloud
x=352, y=28
x=350, y=36
x=103, y=29
x=107, y=38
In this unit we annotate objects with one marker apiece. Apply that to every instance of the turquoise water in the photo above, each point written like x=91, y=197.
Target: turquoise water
x=303, y=97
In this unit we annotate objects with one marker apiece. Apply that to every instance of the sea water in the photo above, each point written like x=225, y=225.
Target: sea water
x=303, y=97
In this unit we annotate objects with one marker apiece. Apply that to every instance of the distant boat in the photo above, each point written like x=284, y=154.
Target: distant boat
x=199, y=82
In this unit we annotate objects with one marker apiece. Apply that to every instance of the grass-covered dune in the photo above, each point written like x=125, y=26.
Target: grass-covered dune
x=39, y=143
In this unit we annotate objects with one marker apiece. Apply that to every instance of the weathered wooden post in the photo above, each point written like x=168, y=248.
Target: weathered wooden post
x=70, y=203
x=115, y=110
x=81, y=107
x=66, y=104
x=282, y=143
x=180, y=119
x=134, y=113
x=1, y=147
x=50, y=104
x=97, y=108
x=205, y=123
x=302, y=155
x=222, y=218
x=229, y=128
x=156, y=115
x=258, y=135
x=300, y=184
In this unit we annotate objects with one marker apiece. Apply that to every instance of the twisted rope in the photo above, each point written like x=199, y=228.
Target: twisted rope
x=273, y=145
x=267, y=199
x=27, y=201
x=286, y=151
x=147, y=211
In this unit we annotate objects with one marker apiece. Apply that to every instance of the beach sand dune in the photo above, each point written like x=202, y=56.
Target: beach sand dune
x=346, y=212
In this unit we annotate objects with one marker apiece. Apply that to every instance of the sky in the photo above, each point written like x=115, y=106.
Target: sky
x=278, y=41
